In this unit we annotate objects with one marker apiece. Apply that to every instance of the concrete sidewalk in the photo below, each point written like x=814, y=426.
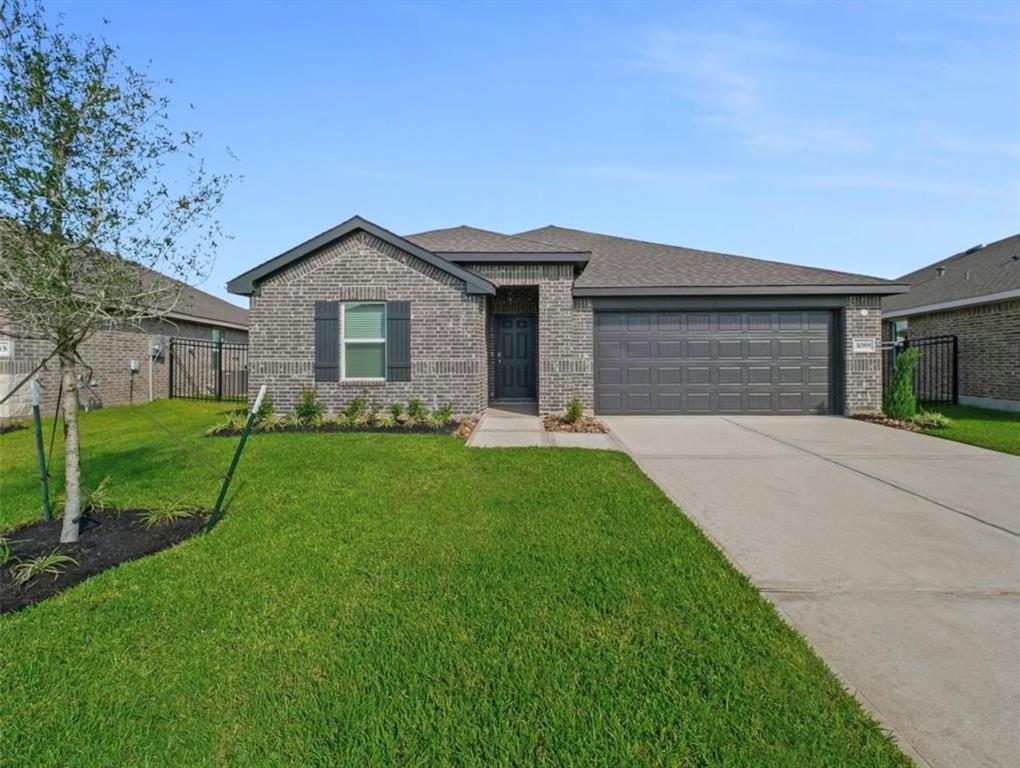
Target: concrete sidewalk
x=897, y=556
x=520, y=427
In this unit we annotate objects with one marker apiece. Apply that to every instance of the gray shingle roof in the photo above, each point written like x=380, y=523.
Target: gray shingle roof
x=466, y=239
x=205, y=307
x=988, y=270
x=619, y=262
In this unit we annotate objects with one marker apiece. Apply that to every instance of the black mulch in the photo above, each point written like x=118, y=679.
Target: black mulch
x=106, y=538
x=397, y=429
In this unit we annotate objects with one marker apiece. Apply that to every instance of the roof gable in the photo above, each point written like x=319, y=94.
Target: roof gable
x=246, y=283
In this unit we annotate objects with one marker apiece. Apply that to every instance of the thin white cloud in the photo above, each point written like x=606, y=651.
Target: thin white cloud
x=754, y=84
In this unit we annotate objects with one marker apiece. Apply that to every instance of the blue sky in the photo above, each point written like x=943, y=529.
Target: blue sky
x=868, y=137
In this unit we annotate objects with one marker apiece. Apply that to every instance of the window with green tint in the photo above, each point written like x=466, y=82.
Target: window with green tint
x=364, y=341
x=365, y=361
x=365, y=321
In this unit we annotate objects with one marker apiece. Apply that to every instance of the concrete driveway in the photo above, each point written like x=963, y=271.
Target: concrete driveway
x=896, y=555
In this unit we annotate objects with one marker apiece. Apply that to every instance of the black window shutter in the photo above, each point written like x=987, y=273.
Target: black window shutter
x=327, y=341
x=398, y=341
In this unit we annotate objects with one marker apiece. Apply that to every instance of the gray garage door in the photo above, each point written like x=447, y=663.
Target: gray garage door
x=713, y=362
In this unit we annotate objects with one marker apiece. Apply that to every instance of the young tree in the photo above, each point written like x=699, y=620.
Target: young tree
x=102, y=202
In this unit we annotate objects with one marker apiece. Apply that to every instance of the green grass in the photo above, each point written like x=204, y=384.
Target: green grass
x=403, y=600
x=996, y=430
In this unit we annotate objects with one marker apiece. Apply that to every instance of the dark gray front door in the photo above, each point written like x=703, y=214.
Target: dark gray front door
x=713, y=362
x=515, y=356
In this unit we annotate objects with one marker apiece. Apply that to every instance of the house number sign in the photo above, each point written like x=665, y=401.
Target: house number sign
x=864, y=345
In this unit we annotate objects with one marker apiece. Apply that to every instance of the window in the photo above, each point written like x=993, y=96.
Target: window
x=899, y=330
x=363, y=342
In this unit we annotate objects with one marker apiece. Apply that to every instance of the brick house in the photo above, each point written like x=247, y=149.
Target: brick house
x=975, y=296
x=107, y=377
x=469, y=317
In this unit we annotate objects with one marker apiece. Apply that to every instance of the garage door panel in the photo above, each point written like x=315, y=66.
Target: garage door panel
x=701, y=348
x=713, y=362
x=734, y=348
x=670, y=348
x=609, y=375
x=730, y=374
x=670, y=375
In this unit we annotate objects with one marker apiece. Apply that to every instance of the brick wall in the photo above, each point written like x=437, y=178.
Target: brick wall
x=565, y=335
x=106, y=376
x=988, y=339
x=863, y=370
x=448, y=336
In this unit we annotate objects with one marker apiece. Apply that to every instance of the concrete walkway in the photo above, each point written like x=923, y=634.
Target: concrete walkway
x=896, y=555
x=520, y=426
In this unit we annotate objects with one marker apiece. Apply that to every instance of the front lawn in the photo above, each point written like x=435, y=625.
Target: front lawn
x=996, y=430
x=404, y=600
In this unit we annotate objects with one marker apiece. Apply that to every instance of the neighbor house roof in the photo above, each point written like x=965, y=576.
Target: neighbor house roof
x=245, y=284
x=201, y=307
x=978, y=275
x=470, y=244
x=621, y=266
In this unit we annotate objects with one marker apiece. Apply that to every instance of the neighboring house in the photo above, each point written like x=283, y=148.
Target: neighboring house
x=975, y=296
x=470, y=317
x=107, y=376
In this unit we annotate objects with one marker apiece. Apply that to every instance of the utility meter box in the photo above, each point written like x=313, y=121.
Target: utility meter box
x=134, y=366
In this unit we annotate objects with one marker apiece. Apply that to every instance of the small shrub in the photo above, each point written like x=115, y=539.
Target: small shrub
x=5, y=550
x=153, y=517
x=264, y=415
x=442, y=416
x=416, y=410
x=308, y=409
x=234, y=421
x=396, y=411
x=99, y=499
x=900, y=401
x=53, y=563
x=384, y=420
x=932, y=420
x=575, y=410
x=354, y=413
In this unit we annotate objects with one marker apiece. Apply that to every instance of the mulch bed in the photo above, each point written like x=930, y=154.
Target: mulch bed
x=466, y=427
x=586, y=424
x=12, y=426
x=453, y=428
x=107, y=538
x=877, y=418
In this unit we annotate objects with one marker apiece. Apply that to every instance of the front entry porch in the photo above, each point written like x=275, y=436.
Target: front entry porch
x=513, y=326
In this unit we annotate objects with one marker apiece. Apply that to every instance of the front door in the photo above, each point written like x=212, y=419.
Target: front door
x=515, y=356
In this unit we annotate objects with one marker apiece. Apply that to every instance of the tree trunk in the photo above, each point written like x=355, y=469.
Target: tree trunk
x=72, y=451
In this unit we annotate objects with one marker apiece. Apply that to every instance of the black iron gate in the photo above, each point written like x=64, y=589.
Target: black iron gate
x=208, y=370
x=936, y=379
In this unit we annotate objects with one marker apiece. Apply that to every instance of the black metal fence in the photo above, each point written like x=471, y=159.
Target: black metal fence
x=207, y=370
x=936, y=378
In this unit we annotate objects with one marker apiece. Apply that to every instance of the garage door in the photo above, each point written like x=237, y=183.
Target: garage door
x=713, y=362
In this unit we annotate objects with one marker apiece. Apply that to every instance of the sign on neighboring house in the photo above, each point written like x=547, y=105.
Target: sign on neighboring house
x=864, y=345
x=6, y=347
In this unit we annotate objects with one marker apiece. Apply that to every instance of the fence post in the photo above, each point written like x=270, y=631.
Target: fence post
x=217, y=353
x=170, y=360
x=956, y=374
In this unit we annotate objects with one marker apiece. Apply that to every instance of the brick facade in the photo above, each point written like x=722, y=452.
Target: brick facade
x=448, y=336
x=107, y=379
x=452, y=337
x=565, y=328
x=988, y=339
x=862, y=381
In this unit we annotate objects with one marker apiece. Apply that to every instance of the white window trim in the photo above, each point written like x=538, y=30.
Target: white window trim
x=344, y=342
